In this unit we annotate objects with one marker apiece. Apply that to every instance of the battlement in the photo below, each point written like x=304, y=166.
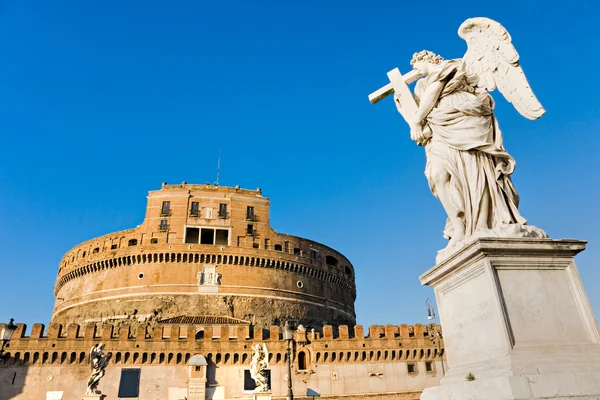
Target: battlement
x=177, y=332
x=174, y=344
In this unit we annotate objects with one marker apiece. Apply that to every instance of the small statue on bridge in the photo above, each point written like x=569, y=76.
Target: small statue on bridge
x=98, y=363
x=258, y=367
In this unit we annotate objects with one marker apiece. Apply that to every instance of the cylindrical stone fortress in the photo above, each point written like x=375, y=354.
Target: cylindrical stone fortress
x=208, y=251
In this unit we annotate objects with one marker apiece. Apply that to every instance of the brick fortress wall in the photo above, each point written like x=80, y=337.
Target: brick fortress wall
x=338, y=361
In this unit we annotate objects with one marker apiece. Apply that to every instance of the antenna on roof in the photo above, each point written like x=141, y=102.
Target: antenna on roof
x=218, y=168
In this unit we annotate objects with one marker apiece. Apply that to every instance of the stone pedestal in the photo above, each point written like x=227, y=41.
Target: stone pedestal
x=261, y=396
x=515, y=317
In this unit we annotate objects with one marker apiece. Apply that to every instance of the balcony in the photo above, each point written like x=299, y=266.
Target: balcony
x=223, y=215
x=165, y=212
x=163, y=227
x=251, y=217
x=194, y=213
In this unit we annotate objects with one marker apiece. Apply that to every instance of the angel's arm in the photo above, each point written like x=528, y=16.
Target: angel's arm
x=429, y=100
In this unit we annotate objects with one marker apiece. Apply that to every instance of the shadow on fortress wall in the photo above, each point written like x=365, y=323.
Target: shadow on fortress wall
x=13, y=371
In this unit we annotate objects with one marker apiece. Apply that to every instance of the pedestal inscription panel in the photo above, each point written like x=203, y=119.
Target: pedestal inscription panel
x=541, y=307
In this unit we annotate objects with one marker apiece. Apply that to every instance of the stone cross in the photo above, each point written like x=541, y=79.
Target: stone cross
x=399, y=85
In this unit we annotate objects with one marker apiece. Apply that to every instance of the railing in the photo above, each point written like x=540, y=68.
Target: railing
x=165, y=212
x=163, y=227
x=223, y=215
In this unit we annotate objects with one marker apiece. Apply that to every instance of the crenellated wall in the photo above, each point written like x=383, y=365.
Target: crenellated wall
x=376, y=360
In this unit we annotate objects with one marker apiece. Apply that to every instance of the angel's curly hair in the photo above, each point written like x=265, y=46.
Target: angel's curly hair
x=427, y=56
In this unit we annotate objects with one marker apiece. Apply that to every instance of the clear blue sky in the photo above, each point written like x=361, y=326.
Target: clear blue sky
x=102, y=101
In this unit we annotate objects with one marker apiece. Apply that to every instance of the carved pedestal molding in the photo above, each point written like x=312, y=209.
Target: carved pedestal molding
x=516, y=321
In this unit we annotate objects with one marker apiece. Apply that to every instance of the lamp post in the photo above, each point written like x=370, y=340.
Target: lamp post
x=436, y=332
x=288, y=334
x=6, y=331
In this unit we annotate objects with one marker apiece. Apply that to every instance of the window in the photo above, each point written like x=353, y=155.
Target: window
x=428, y=366
x=192, y=235
x=132, y=242
x=96, y=250
x=330, y=260
x=313, y=254
x=154, y=240
x=296, y=251
x=199, y=335
x=348, y=270
x=286, y=246
x=250, y=230
x=83, y=255
x=165, y=209
x=302, y=360
x=255, y=246
x=164, y=225
x=267, y=241
x=222, y=210
x=207, y=236
x=129, y=386
x=412, y=368
x=195, y=210
x=250, y=385
x=222, y=237
x=278, y=247
x=250, y=213
x=113, y=246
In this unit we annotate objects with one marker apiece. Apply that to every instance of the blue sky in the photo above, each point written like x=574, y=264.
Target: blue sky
x=102, y=101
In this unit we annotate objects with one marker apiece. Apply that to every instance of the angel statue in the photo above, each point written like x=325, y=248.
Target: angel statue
x=98, y=362
x=451, y=114
x=258, y=366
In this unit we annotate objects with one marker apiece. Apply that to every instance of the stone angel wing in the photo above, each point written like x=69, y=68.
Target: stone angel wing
x=92, y=355
x=494, y=61
x=266, y=353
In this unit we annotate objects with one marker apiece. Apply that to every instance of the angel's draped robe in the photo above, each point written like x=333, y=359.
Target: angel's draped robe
x=467, y=143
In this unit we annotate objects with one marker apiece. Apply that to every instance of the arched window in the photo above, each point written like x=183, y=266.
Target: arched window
x=278, y=247
x=330, y=260
x=302, y=361
x=132, y=242
x=199, y=335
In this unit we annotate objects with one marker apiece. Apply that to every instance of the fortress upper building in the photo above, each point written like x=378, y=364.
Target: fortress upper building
x=204, y=253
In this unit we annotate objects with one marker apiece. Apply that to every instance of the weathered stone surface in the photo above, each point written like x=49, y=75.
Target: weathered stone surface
x=517, y=321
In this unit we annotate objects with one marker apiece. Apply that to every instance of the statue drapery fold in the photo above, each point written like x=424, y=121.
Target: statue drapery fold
x=467, y=143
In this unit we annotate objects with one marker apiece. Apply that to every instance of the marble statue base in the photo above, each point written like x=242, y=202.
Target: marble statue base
x=516, y=321
x=261, y=396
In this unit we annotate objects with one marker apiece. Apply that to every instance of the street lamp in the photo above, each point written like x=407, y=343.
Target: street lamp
x=288, y=334
x=436, y=332
x=6, y=332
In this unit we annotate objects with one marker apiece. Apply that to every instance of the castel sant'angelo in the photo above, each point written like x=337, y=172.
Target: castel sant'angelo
x=205, y=251
x=179, y=301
